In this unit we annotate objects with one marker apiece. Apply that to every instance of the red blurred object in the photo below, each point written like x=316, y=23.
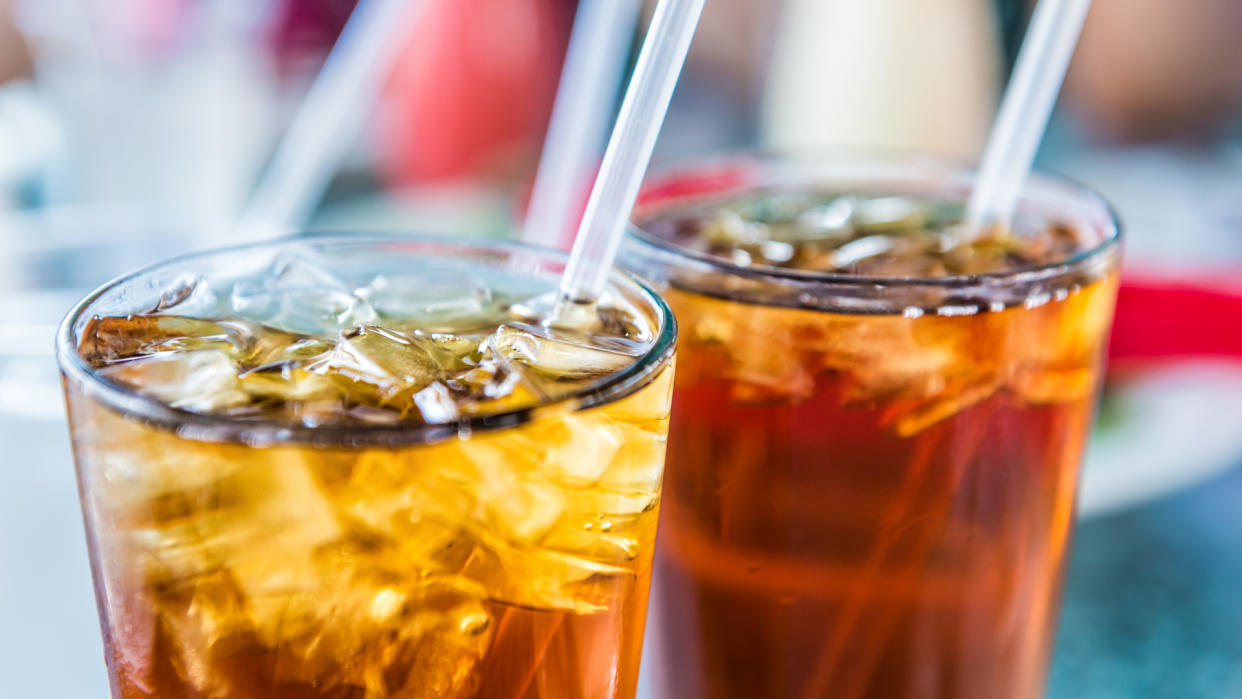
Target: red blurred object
x=711, y=178
x=472, y=90
x=1162, y=318
x=305, y=30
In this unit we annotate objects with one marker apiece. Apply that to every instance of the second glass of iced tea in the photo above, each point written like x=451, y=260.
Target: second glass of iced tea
x=877, y=425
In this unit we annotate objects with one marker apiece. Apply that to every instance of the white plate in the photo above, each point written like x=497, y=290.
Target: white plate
x=1179, y=426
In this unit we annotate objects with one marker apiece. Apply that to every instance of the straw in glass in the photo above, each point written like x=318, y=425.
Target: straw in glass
x=590, y=80
x=1025, y=109
x=629, y=150
x=1023, y=118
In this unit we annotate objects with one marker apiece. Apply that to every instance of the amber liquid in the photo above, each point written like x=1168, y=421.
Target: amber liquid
x=830, y=530
x=535, y=654
x=464, y=569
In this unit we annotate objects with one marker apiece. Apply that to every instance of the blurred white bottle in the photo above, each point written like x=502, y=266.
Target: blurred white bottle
x=166, y=106
x=909, y=74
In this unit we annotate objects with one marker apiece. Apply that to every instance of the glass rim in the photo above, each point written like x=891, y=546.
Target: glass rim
x=207, y=427
x=821, y=156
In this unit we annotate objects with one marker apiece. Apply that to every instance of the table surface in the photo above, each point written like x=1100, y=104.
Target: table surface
x=1153, y=601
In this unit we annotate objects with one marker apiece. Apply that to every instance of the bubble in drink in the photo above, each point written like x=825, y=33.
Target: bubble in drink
x=877, y=428
x=331, y=542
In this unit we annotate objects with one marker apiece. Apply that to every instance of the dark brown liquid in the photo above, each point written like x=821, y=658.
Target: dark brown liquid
x=870, y=506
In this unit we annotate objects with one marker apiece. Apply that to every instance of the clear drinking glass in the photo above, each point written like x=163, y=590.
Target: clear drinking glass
x=871, y=479
x=331, y=547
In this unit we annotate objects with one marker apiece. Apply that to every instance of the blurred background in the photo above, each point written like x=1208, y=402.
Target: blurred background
x=131, y=130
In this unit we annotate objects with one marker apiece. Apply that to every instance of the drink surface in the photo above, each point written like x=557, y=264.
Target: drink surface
x=490, y=563
x=873, y=503
x=426, y=345
x=878, y=235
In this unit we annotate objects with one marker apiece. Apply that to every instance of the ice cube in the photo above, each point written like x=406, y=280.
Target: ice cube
x=926, y=368
x=823, y=222
x=761, y=365
x=860, y=249
x=908, y=419
x=255, y=554
x=886, y=355
x=144, y=481
x=612, y=504
x=889, y=214
x=300, y=294
x=436, y=405
x=1041, y=386
x=774, y=206
x=438, y=649
x=404, y=637
x=380, y=489
x=546, y=579
x=591, y=543
x=574, y=450
x=648, y=407
x=777, y=252
x=638, y=466
x=1067, y=332
x=379, y=365
x=455, y=352
x=276, y=518
x=485, y=483
x=548, y=360
x=432, y=301
x=600, y=590
x=206, y=621
x=253, y=298
x=518, y=502
x=305, y=268
x=424, y=502
x=611, y=323
x=107, y=340
x=605, y=526
x=1059, y=344
x=322, y=312
x=289, y=383
x=493, y=385
x=730, y=228
x=190, y=296
x=201, y=381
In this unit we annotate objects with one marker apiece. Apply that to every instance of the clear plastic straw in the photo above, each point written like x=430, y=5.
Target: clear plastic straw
x=629, y=150
x=1025, y=109
x=598, y=48
x=328, y=121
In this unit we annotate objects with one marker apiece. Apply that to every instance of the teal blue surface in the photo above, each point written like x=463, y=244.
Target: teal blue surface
x=1153, y=601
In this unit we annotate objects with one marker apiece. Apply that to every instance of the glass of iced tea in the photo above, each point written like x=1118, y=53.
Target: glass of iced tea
x=877, y=425
x=359, y=467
